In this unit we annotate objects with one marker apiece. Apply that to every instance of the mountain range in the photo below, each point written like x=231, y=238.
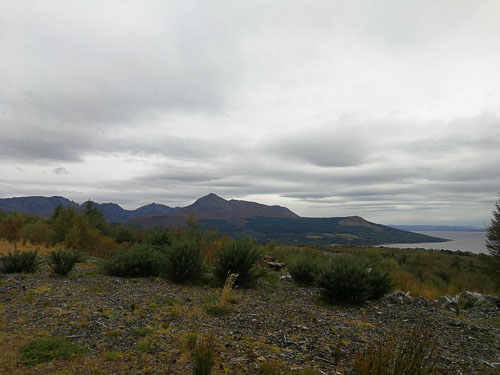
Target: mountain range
x=238, y=218
x=44, y=206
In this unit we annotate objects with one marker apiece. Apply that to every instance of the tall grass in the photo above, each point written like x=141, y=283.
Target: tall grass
x=202, y=356
x=227, y=289
x=413, y=353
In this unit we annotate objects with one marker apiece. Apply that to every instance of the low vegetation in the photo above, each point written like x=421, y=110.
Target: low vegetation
x=304, y=268
x=16, y=262
x=239, y=257
x=183, y=263
x=350, y=280
x=426, y=273
x=412, y=353
x=47, y=349
x=136, y=261
x=148, y=325
x=61, y=262
x=202, y=356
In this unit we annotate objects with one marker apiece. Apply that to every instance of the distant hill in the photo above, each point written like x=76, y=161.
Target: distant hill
x=116, y=214
x=352, y=230
x=213, y=207
x=40, y=206
x=440, y=228
x=276, y=223
x=239, y=219
x=44, y=206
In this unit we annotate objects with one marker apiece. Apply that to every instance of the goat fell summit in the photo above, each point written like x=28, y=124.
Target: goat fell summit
x=237, y=218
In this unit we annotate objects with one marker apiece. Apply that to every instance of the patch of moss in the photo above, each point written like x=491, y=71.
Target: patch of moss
x=141, y=332
x=47, y=349
x=217, y=310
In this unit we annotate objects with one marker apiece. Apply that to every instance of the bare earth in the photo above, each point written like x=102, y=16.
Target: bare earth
x=277, y=321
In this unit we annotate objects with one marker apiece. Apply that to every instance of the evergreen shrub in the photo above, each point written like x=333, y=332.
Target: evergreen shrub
x=61, y=262
x=351, y=280
x=26, y=261
x=183, y=263
x=304, y=268
x=239, y=257
x=137, y=261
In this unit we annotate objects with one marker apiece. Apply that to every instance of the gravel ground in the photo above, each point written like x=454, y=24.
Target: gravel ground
x=278, y=322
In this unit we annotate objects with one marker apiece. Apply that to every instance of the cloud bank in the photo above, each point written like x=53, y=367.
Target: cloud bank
x=390, y=111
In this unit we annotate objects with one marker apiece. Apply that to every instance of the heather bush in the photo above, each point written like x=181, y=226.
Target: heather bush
x=137, y=261
x=61, y=262
x=351, y=280
x=238, y=257
x=26, y=262
x=304, y=268
x=183, y=263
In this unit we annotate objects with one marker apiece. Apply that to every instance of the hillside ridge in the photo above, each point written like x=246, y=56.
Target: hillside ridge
x=237, y=218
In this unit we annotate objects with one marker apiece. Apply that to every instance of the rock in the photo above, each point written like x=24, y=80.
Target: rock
x=286, y=276
x=398, y=297
x=472, y=299
x=270, y=262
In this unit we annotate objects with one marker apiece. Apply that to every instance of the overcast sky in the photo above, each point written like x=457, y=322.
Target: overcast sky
x=385, y=109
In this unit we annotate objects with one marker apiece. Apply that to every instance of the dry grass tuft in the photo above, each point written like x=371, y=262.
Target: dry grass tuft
x=228, y=287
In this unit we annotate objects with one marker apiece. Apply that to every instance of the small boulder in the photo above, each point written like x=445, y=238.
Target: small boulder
x=269, y=262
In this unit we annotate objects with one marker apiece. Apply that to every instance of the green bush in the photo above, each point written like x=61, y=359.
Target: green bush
x=380, y=283
x=239, y=257
x=47, y=349
x=183, y=263
x=26, y=262
x=137, y=261
x=351, y=280
x=304, y=268
x=61, y=262
x=160, y=238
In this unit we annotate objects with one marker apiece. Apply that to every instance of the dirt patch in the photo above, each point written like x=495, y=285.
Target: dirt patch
x=136, y=326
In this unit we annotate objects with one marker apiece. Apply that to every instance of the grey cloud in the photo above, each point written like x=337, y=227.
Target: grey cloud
x=166, y=82
x=108, y=71
x=60, y=170
x=328, y=146
x=38, y=143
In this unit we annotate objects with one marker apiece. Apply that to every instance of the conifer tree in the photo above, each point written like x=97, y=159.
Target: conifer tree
x=493, y=232
x=493, y=243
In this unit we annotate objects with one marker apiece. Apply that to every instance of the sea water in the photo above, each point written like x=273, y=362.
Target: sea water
x=475, y=242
